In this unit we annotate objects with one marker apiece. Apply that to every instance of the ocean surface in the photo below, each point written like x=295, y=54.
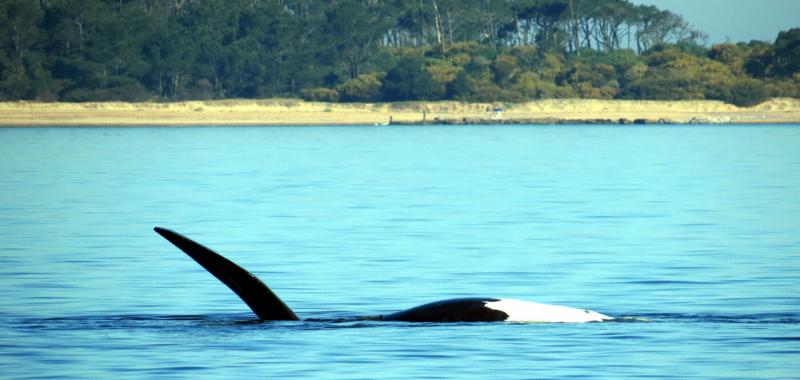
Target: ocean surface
x=693, y=232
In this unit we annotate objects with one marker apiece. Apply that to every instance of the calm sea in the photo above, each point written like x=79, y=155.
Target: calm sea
x=693, y=230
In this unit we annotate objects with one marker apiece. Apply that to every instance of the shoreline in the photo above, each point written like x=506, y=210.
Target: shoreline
x=273, y=112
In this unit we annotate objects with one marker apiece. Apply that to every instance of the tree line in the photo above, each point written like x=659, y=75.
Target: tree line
x=377, y=50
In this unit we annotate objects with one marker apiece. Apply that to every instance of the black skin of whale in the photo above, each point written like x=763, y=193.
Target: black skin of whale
x=268, y=307
x=452, y=310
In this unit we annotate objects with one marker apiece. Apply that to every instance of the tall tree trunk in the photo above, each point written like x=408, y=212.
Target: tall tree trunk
x=80, y=22
x=638, y=39
x=518, y=29
x=438, y=24
x=421, y=22
x=490, y=25
x=587, y=32
x=575, y=27
x=449, y=26
x=17, y=38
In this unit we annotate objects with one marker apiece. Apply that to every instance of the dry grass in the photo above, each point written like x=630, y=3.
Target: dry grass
x=296, y=112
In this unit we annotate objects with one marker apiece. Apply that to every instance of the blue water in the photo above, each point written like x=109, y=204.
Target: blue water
x=694, y=229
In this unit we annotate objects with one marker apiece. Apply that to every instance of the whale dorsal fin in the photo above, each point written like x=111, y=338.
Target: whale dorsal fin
x=247, y=286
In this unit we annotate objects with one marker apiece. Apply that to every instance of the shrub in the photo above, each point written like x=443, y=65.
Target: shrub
x=321, y=94
x=748, y=92
x=365, y=88
x=128, y=93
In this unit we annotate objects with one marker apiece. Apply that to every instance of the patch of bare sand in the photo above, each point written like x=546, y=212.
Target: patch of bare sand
x=297, y=112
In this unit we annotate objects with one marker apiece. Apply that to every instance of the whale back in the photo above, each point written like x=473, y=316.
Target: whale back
x=495, y=310
x=452, y=310
x=247, y=286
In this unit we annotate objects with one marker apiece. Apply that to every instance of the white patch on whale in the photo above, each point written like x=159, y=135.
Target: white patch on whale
x=524, y=311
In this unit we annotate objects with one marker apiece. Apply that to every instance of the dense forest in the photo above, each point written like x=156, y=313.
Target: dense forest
x=377, y=50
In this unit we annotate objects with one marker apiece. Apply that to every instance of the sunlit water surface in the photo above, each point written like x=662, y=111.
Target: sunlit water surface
x=696, y=229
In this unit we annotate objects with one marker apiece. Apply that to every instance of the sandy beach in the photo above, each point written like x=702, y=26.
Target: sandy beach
x=296, y=112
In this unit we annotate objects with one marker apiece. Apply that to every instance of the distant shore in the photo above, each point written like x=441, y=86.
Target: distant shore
x=297, y=112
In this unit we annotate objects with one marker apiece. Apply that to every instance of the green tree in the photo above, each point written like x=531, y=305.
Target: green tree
x=786, y=53
x=759, y=59
x=350, y=33
x=729, y=55
x=483, y=50
x=676, y=75
x=409, y=80
x=476, y=87
x=21, y=66
x=442, y=73
x=505, y=67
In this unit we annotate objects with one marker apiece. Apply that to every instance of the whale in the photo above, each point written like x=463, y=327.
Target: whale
x=267, y=306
